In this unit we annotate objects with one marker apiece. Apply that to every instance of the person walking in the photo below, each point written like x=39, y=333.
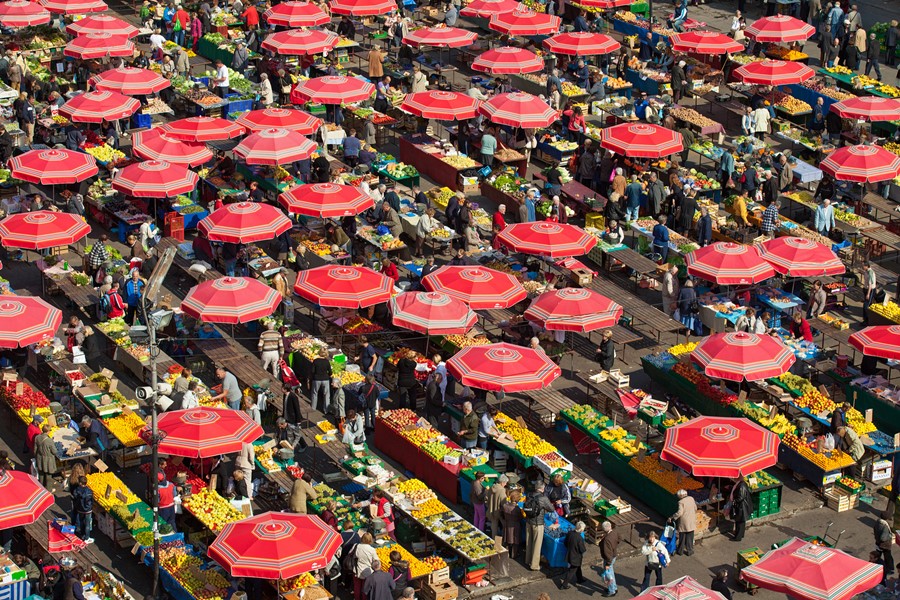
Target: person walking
x=873, y=55
x=720, y=584
x=321, y=381
x=134, y=288
x=45, y=457
x=670, y=290
x=884, y=539
x=496, y=498
x=271, y=349
x=609, y=547
x=511, y=519
x=83, y=504
x=535, y=508
x=741, y=507
x=478, y=497
x=870, y=286
x=657, y=558
x=685, y=519
x=575, y=549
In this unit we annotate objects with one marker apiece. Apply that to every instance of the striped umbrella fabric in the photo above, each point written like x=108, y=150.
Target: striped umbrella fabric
x=811, y=571
x=130, y=81
x=344, y=287
x=479, y=287
x=524, y=21
x=280, y=118
x=641, y=140
x=508, y=60
x=42, y=229
x=432, y=313
x=774, y=72
x=739, y=356
x=24, y=499
x=275, y=147
x=96, y=107
x=275, y=545
x=298, y=42
x=154, y=179
x=22, y=13
x=684, y=588
x=704, y=42
x=244, y=223
x=296, y=14
x=154, y=144
x=485, y=8
x=53, y=167
x=445, y=106
x=99, y=45
x=203, y=129
x=518, y=109
x=728, y=263
x=720, y=447
x=800, y=257
x=363, y=8
x=868, y=108
x=202, y=432
x=606, y=4
x=441, y=37
x=546, y=238
x=332, y=89
x=26, y=320
x=74, y=7
x=231, y=300
x=573, y=309
x=102, y=24
x=880, y=341
x=581, y=43
x=862, y=164
x=779, y=29
x=326, y=200
x=503, y=367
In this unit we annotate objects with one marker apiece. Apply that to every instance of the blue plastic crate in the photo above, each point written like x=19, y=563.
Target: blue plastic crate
x=202, y=80
x=240, y=106
x=139, y=120
x=191, y=220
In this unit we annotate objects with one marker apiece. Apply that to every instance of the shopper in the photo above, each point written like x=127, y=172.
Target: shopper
x=364, y=557
x=271, y=348
x=609, y=547
x=321, y=381
x=400, y=573
x=134, y=289
x=378, y=584
x=478, y=498
x=536, y=507
x=823, y=219
x=884, y=539
x=657, y=558
x=45, y=457
x=720, y=584
x=741, y=503
x=468, y=432
x=575, y=550
x=496, y=499
x=511, y=519
x=83, y=504
x=685, y=519
x=302, y=491
x=407, y=383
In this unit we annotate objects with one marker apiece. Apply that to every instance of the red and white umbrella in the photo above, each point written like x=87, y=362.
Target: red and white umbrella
x=326, y=200
x=880, y=341
x=301, y=41
x=344, y=287
x=362, y=8
x=720, y=447
x=443, y=37
x=508, y=60
x=201, y=432
x=573, y=309
x=244, y=223
x=74, y=7
x=518, y=109
x=280, y=118
x=684, y=588
x=99, y=45
x=479, y=287
x=102, y=24
x=868, y=108
x=727, y=263
x=96, y=107
x=130, y=81
x=739, y=356
x=53, y=167
x=641, y=140
x=275, y=147
x=154, y=179
x=444, y=106
x=779, y=29
x=296, y=14
x=154, y=144
x=800, y=257
x=231, y=300
x=862, y=164
x=486, y=8
x=524, y=21
x=42, y=229
x=332, y=89
x=704, y=42
x=546, y=238
x=432, y=313
x=22, y=13
x=503, y=367
x=774, y=72
x=581, y=43
x=24, y=498
x=606, y=4
x=203, y=129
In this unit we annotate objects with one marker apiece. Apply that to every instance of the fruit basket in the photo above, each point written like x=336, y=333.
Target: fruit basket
x=850, y=485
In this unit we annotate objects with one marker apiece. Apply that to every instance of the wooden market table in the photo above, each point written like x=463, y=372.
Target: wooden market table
x=879, y=204
x=429, y=164
x=656, y=320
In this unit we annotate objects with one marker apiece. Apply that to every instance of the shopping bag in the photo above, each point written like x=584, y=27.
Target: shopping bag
x=669, y=539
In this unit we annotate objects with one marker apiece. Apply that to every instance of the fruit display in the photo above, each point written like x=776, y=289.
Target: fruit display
x=624, y=444
x=830, y=461
x=459, y=161
x=664, y=476
x=510, y=183
x=857, y=422
x=792, y=105
x=851, y=485
x=28, y=399
x=297, y=583
x=888, y=90
x=317, y=248
x=679, y=349
x=349, y=378
x=825, y=90
x=890, y=310
x=570, y=89
x=401, y=353
x=528, y=443
x=119, y=493
x=670, y=422
x=400, y=170
x=862, y=81
x=211, y=509
x=563, y=146
x=398, y=419
x=587, y=418
x=460, y=534
x=385, y=242
x=194, y=574
x=817, y=402
x=464, y=341
x=839, y=70
x=417, y=568
x=360, y=326
x=892, y=147
x=266, y=459
x=703, y=384
x=127, y=428
x=782, y=53
x=155, y=106
x=105, y=153
x=131, y=516
x=777, y=424
x=745, y=59
x=691, y=116
x=435, y=563
x=308, y=346
x=761, y=479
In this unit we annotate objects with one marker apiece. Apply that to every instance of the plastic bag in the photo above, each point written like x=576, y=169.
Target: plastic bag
x=828, y=445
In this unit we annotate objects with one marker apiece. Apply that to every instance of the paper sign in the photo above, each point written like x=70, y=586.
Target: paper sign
x=269, y=444
x=897, y=440
x=773, y=411
x=106, y=373
x=126, y=410
x=121, y=496
x=135, y=549
x=105, y=400
x=742, y=397
x=100, y=466
x=10, y=376
x=213, y=481
x=108, y=492
x=675, y=413
x=113, y=384
x=868, y=415
x=824, y=391
x=51, y=421
x=20, y=388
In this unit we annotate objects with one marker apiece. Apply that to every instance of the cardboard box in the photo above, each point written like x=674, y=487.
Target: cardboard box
x=440, y=591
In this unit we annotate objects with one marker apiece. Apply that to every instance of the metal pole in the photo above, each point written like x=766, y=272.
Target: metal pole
x=154, y=457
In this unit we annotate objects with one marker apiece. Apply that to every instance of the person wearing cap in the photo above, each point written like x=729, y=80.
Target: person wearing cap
x=873, y=52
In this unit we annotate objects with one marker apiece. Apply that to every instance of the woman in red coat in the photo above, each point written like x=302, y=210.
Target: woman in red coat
x=800, y=328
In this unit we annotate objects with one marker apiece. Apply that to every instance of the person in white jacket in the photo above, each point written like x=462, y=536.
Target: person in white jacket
x=653, y=549
x=364, y=557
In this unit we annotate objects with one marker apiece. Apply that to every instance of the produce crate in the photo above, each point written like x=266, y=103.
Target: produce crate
x=839, y=500
x=605, y=508
x=850, y=490
x=191, y=220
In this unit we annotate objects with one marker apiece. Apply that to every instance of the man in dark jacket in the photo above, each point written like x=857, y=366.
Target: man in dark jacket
x=378, y=585
x=686, y=211
x=575, y=549
x=83, y=504
x=406, y=383
x=606, y=352
x=535, y=508
x=884, y=538
x=609, y=547
x=750, y=180
x=679, y=80
x=741, y=507
x=873, y=54
x=704, y=228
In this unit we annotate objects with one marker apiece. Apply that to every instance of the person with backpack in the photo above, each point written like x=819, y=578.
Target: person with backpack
x=657, y=559
x=536, y=506
x=399, y=573
x=349, y=539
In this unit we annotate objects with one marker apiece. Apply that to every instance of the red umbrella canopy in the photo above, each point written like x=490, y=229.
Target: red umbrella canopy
x=344, y=287
x=862, y=164
x=274, y=147
x=868, y=108
x=508, y=60
x=546, y=238
x=53, y=167
x=244, y=223
x=720, y=447
x=518, y=109
x=154, y=144
x=811, y=571
x=479, y=287
x=503, y=367
x=96, y=107
x=581, y=43
x=24, y=499
x=800, y=257
x=296, y=14
x=130, y=81
x=361, y=8
x=432, y=313
x=230, y=300
x=102, y=24
x=880, y=341
x=524, y=21
x=99, y=45
x=607, y=4
x=486, y=8
x=203, y=129
x=275, y=545
x=301, y=41
x=26, y=320
x=779, y=29
x=202, y=432
x=727, y=263
x=573, y=309
x=326, y=200
x=42, y=229
x=445, y=106
x=75, y=7
x=155, y=179
x=332, y=89
x=641, y=140
x=704, y=42
x=684, y=588
x=774, y=72
x=280, y=118
x=444, y=37
x=739, y=356
x=22, y=13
